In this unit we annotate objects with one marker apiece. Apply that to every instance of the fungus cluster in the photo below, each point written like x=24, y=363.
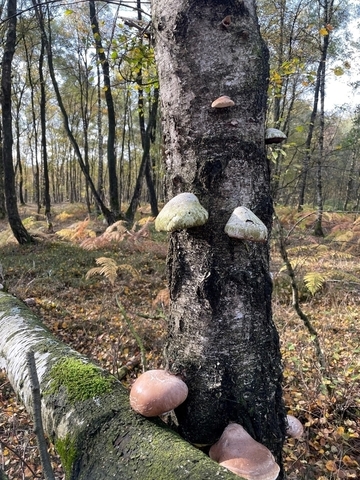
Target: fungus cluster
x=181, y=212
x=237, y=451
x=157, y=392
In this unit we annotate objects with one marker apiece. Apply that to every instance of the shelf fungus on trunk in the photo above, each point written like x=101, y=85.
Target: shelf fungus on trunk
x=273, y=135
x=223, y=102
x=157, y=392
x=245, y=225
x=237, y=451
x=181, y=212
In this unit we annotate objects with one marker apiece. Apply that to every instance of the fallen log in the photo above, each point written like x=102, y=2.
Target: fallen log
x=86, y=411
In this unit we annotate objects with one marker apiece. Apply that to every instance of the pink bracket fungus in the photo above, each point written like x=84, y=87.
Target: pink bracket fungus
x=156, y=392
x=237, y=451
x=245, y=225
x=295, y=428
x=273, y=135
x=181, y=212
x=223, y=102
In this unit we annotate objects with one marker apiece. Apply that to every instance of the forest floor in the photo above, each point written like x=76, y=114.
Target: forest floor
x=82, y=310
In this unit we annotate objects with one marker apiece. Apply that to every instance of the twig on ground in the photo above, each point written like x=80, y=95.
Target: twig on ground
x=38, y=425
x=296, y=304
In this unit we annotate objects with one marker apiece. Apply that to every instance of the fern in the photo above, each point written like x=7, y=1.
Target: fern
x=109, y=269
x=314, y=281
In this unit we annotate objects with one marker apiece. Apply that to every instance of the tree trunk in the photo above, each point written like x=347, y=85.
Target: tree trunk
x=221, y=334
x=2, y=187
x=18, y=229
x=111, y=127
x=46, y=199
x=146, y=136
x=98, y=437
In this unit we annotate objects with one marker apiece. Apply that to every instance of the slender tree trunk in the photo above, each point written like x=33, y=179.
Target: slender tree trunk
x=18, y=229
x=46, y=180
x=111, y=127
x=35, y=163
x=100, y=183
x=222, y=338
x=350, y=182
x=130, y=212
x=2, y=186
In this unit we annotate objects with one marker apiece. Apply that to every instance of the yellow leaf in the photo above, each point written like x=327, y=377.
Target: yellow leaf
x=323, y=32
x=338, y=71
x=331, y=466
x=349, y=462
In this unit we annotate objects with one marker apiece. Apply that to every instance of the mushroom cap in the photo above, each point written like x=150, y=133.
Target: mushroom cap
x=245, y=225
x=237, y=451
x=223, y=102
x=156, y=392
x=295, y=428
x=273, y=135
x=182, y=211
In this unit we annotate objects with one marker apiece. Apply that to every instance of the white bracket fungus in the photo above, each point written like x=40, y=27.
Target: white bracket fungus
x=181, y=212
x=245, y=225
x=273, y=135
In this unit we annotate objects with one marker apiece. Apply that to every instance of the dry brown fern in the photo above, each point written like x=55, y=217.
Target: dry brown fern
x=109, y=269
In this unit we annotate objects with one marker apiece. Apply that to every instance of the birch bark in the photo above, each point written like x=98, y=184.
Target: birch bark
x=221, y=334
x=99, y=437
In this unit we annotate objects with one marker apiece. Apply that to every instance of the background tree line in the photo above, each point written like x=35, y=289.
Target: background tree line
x=84, y=106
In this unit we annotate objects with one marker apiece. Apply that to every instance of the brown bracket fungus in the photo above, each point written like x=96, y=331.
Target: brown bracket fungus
x=245, y=225
x=156, y=392
x=237, y=451
x=181, y=212
x=295, y=428
x=273, y=135
x=223, y=102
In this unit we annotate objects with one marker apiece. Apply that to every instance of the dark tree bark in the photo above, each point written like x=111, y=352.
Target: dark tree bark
x=146, y=137
x=111, y=157
x=222, y=338
x=18, y=229
x=46, y=194
x=2, y=187
x=99, y=437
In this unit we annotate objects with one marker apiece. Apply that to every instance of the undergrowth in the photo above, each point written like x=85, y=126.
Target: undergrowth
x=83, y=312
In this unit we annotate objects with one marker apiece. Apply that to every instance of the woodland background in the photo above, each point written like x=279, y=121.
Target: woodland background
x=315, y=186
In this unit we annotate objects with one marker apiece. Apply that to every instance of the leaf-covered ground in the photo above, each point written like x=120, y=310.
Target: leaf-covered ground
x=51, y=276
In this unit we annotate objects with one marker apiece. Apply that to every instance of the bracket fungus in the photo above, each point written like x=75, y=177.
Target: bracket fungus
x=156, y=392
x=295, y=428
x=181, y=212
x=237, y=451
x=245, y=225
x=223, y=102
x=273, y=135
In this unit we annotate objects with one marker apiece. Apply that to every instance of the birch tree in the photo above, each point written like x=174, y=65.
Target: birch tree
x=222, y=338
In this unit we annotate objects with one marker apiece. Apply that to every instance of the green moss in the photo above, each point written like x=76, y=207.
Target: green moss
x=81, y=380
x=68, y=454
